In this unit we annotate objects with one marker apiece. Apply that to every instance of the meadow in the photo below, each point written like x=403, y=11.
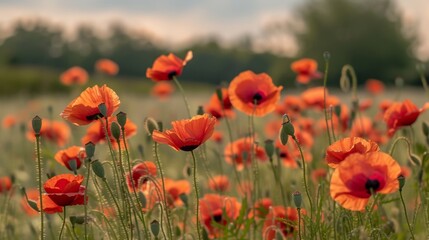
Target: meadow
x=247, y=160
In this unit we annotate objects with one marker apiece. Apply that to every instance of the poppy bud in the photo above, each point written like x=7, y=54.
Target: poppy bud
x=326, y=55
x=77, y=220
x=219, y=94
x=116, y=131
x=297, y=199
x=122, y=119
x=73, y=165
x=269, y=148
x=142, y=199
x=401, y=180
x=286, y=130
x=415, y=160
x=279, y=235
x=150, y=125
x=154, y=228
x=345, y=83
x=103, y=109
x=425, y=127
x=89, y=149
x=184, y=199
x=37, y=125
x=200, y=110
x=160, y=125
x=337, y=110
x=98, y=169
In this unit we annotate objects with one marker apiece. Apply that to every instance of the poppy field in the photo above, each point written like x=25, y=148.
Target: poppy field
x=250, y=159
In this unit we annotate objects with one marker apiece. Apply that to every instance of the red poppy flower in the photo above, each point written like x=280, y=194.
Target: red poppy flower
x=318, y=175
x=254, y=94
x=9, y=121
x=107, y=66
x=364, y=127
x=306, y=69
x=360, y=175
x=291, y=105
x=174, y=189
x=74, y=75
x=166, y=67
x=217, y=136
x=140, y=172
x=262, y=207
x=365, y=104
x=65, y=189
x=314, y=97
x=217, y=211
x=162, y=90
x=54, y=131
x=49, y=206
x=187, y=134
x=374, y=86
x=283, y=219
x=72, y=153
x=5, y=184
x=401, y=114
x=95, y=132
x=217, y=108
x=219, y=183
x=84, y=109
x=240, y=151
x=339, y=150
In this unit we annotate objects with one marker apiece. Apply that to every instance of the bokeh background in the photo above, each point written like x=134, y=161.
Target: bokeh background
x=381, y=39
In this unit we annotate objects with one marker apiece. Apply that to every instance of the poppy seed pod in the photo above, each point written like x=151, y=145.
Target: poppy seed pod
x=37, y=125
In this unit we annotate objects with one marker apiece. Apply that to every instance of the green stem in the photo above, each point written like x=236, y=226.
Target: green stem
x=304, y=175
x=424, y=81
x=406, y=215
x=88, y=174
x=196, y=195
x=39, y=167
x=299, y=223
x=117, y=207
x=325, y=81
x=278, y=180
x=183, y=95
x=64, y=223
x=396, y=142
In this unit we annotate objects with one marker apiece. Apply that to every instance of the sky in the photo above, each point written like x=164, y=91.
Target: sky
x=176, y=22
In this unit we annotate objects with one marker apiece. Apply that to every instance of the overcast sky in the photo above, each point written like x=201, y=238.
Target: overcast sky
x=178, y=21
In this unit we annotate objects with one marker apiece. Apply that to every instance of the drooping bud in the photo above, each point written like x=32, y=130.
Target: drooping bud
x=37, y=125
x=415, y=160
x=90, y=149
x=150, y=125
x=77, y=220
x=98, y=169
x=122, y=119
x=286, y=130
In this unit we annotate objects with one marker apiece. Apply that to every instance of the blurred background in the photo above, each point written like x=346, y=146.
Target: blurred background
x=381, y=39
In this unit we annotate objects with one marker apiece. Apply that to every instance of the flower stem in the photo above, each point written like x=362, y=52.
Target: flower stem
x=64, y=223
x=88, y=174
x=196, y=195
x=325, y=81
x=299, y=223
x=183, y=95
x=39, y=167
x=406, y=215
x=304, y=174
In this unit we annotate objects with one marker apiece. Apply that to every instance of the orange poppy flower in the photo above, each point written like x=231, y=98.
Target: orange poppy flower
x=254, y=94
x=76, y=153
x=84, y=109
x=282, y=219
x=162, y=90
x=65, y=189
x=215, y=108
x=245, y=189
x=401, y=114
x=364, y=127
x=341, y=149
x=187, y=134
x=74, y=75
x=405, y=171
x=291, y=105
x=107, y=66
x=5, y=184
x=359, y=175
x=374, y=86
x=139, y=173
x=166, y=67
x=262, y=207
x=313, y=97
x=318, y=175
x=174, y=189
x=49, y=206
x=239, y=152
x=9, y=121
x=95, y=132
x=217, y=211
x=219, y=183
x=306, y=69
x=217, y=136
x=365, y=104
x=54, y=131
x=289, y=156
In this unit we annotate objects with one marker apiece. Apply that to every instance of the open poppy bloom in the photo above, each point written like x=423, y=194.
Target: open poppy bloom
x=9, y=121
x=291, y=105
x=219, y=183
x=84, y=109
x=166, y=67
x=341, y=149
x=54, y=131
x=72, y=153
x=107, y=66
x=279, y=218
x=239, y=153
x=162, y=90
x=364, y=127
x=401, y=114
x=74, y=75
x=65, y=189
x=361, y=175
x=139, y=173
x=306, y=69
x=5, y=184
x=187, y=134
x=95, y=132
x=314, y=97
x=49, y=207
x=217, y=211
x=374, y=86
x=254, y=94
x=217, y=108
x=174, y=189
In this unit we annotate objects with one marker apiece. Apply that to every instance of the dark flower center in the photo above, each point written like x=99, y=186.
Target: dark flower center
x=188, y=148
x=172, y=74
x=217, y=218
x=257, y=98
x=95, y=116
x=283, y=155
x=372, y=185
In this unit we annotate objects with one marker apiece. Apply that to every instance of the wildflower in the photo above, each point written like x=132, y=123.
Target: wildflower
x=374, y=86
x=219, y=109
x=291, y=105
x=285, y=220
x=339, y=150
x=9, y=121
x=314, y=97
x=65, y=189
x=219, y=183
x=187, y=134
x=107, y=66
x=139, y=174
x=166, y=67
x=5, y=184
x=72, y=153
x=162, y=90
x=360, y=175
x=49, y=206
x=54, y=131
x=318, y=175
x=217, y=136
x=254, y=94
x=364, y=127
x=306, y=69
x=74, y=75
x=85, y=109
x=401, y=114
x=262, y=207
x=239, y=152
x=174, y=189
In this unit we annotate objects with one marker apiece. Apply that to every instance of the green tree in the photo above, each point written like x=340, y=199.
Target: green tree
x=367, y=34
